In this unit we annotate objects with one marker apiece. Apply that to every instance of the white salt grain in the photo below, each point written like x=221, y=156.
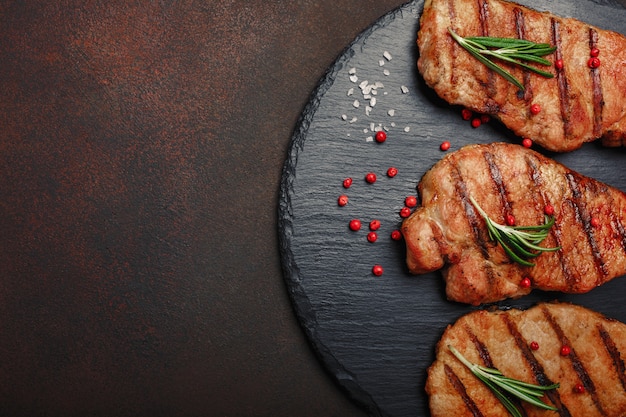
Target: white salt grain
x=352, y=71
x=350, y=91
x=391, y=112
x=387, y=55
x=381, y=62
x=369, y=139
x=407, y=129
x=386, y=72
x=373, y=101
x=356, y=104
x=354, y=78
x=344, y=117
x=404, y=89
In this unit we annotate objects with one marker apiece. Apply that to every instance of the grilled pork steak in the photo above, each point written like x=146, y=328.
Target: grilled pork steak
x=578, y=105
x=592, y=376
x=505, y=179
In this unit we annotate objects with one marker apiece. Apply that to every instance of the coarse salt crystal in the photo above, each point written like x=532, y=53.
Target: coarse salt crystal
x=386, y=72
x=407, y=129
x=393, y=124
x=354, y=119
x=387, y=55
x=356, y=104
x=352, y=71
x=344, y=117
x=354, y=78
x=368, y=110
x=379, y=84
x=369, y=139
x=391, y=112
x=350, y=91
x=373, y=101
x=404, y=89
x=381, y=62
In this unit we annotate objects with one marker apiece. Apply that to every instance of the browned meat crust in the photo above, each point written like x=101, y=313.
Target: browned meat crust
x=506, y=179
x=502, y=340
x=578, y=105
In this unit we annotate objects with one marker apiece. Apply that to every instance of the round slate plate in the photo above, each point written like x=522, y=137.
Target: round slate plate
x=377, y=335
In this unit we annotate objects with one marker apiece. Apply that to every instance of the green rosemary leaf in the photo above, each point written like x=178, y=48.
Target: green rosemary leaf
x=519, y=242
x=519, y=52
x=503, y=386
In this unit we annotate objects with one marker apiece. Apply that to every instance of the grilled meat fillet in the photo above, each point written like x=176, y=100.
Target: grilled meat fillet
x=507, y=179
x=502, y=340
x=578, y=105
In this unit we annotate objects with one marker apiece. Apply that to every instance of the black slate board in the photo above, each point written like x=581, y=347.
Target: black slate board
x=376, y=335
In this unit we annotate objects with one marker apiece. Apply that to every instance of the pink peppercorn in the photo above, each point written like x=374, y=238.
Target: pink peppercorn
x=595, y=52
x=565, y=350
x=476, y=122
x=347, y=183
x=396, y=235
x=370, y=177
x=595, y=222
x=579, y=388
x=405, y=212
x=525, y=282
x=548, y=209
x=510, y=220
x=380, y=136
x=410, y=201
x=594, y=62
x=535, y=109
x=375, y=225
x=558, y=64
x=527, y=142
x=377, y=270
x=534, y=345
x=355, y=224
x=392, y=172
x=466, y=114
x=372, y=237
x=445, y=145
x=342, y=200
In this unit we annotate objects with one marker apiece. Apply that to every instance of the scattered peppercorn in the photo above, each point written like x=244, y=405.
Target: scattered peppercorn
x=342, y=200
x=558, y=64
x=355, y=224
x=565, y=350
x=595, y=222
x=485, y=118
x=466, y=114
x=410, y=201
x=392, y=172
x=527, y=142
x=548, y=209
x=595, y=52
x=510, y=220
x=375, y=225
x=372, y=237
x=380, y=136
x=535, y=109
x=347, y=183
x=579, y=388
x=396, y=235
x=594, y=62
x=370, y=177
x=534, y=345
x=377, y=270
x=445, y=145
x=476, y=122
x=405, y=212
x=525, y=282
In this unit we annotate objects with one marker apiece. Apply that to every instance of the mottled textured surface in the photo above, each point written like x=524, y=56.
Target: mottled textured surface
x=141, y=150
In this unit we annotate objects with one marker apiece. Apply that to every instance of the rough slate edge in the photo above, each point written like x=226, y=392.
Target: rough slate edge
x=304, y=310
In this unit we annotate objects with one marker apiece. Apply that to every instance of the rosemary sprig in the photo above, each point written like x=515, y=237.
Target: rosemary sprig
x=519, y=242
x=511, y=50
x=503, y=386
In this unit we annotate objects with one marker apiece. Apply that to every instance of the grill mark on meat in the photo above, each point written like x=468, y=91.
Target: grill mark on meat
x=619, y=228
x=598, y=98
x=520, y=27
x=618, y=363
x=561, y=79
x=470, y=212
x=582, y=217
x=483, y=15
x=555, y=230
x=577, y=365
x=460, y=389
x=496, y=177
x=534, y=365
x=483, y=352
x=454, y=48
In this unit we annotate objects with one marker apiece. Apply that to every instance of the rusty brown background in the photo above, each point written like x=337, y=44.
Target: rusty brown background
x=141, y=148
